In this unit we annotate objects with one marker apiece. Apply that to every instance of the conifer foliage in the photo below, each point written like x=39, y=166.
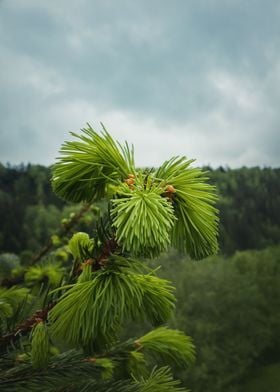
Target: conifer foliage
x=110, y=283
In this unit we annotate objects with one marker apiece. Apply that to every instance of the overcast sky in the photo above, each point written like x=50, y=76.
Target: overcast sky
x=173, y=77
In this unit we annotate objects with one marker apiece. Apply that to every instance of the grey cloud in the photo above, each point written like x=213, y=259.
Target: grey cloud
x=152, y=62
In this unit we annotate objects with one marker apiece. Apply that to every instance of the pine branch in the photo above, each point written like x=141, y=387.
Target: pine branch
x=25, y=327
x=65, y=372
x=63, y=231
x=66, y=229
x=147, y=213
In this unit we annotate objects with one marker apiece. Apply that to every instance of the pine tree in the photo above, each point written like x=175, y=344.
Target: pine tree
x=75, y=343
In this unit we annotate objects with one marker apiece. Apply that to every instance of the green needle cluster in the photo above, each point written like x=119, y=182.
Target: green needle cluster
x=160, y=380
x=95, y=310
x=143, y=222
x=195, y=230
x=40, y=345
x=170, y=344
x=173, y=205
x=88, y=165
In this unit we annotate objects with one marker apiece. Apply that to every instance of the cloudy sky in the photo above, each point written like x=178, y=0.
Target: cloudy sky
x=173, y=77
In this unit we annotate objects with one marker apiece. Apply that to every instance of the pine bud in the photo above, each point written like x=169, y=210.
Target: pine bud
x=170, y=189
x=137, y=344
x=130, y=181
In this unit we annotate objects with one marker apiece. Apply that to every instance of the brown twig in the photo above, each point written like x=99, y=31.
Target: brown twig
x=25, y=327
x=109, y=247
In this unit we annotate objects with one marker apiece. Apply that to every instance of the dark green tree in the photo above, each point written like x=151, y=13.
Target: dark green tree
x=230, y=307
x=110, y=283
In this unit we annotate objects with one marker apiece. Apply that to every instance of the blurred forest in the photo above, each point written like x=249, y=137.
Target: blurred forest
x=228, y=303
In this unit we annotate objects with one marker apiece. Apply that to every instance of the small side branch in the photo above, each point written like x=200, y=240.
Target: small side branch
x=65, y=230
x=25, y=327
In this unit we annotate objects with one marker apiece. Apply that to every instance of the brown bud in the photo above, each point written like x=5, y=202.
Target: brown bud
x=137, y=344
x=89, y=262
x=85, y=263
x=170, y=189
x=90, y=359
x=37, y=320
x=130, y=181
x=103, y=261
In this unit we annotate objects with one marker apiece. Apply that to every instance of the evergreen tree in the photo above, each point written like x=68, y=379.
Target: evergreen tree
x=74, y=342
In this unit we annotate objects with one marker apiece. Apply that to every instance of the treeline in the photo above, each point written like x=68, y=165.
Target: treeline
x=249, y=204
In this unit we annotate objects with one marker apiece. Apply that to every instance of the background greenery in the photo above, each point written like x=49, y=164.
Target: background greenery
x=228, y=303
